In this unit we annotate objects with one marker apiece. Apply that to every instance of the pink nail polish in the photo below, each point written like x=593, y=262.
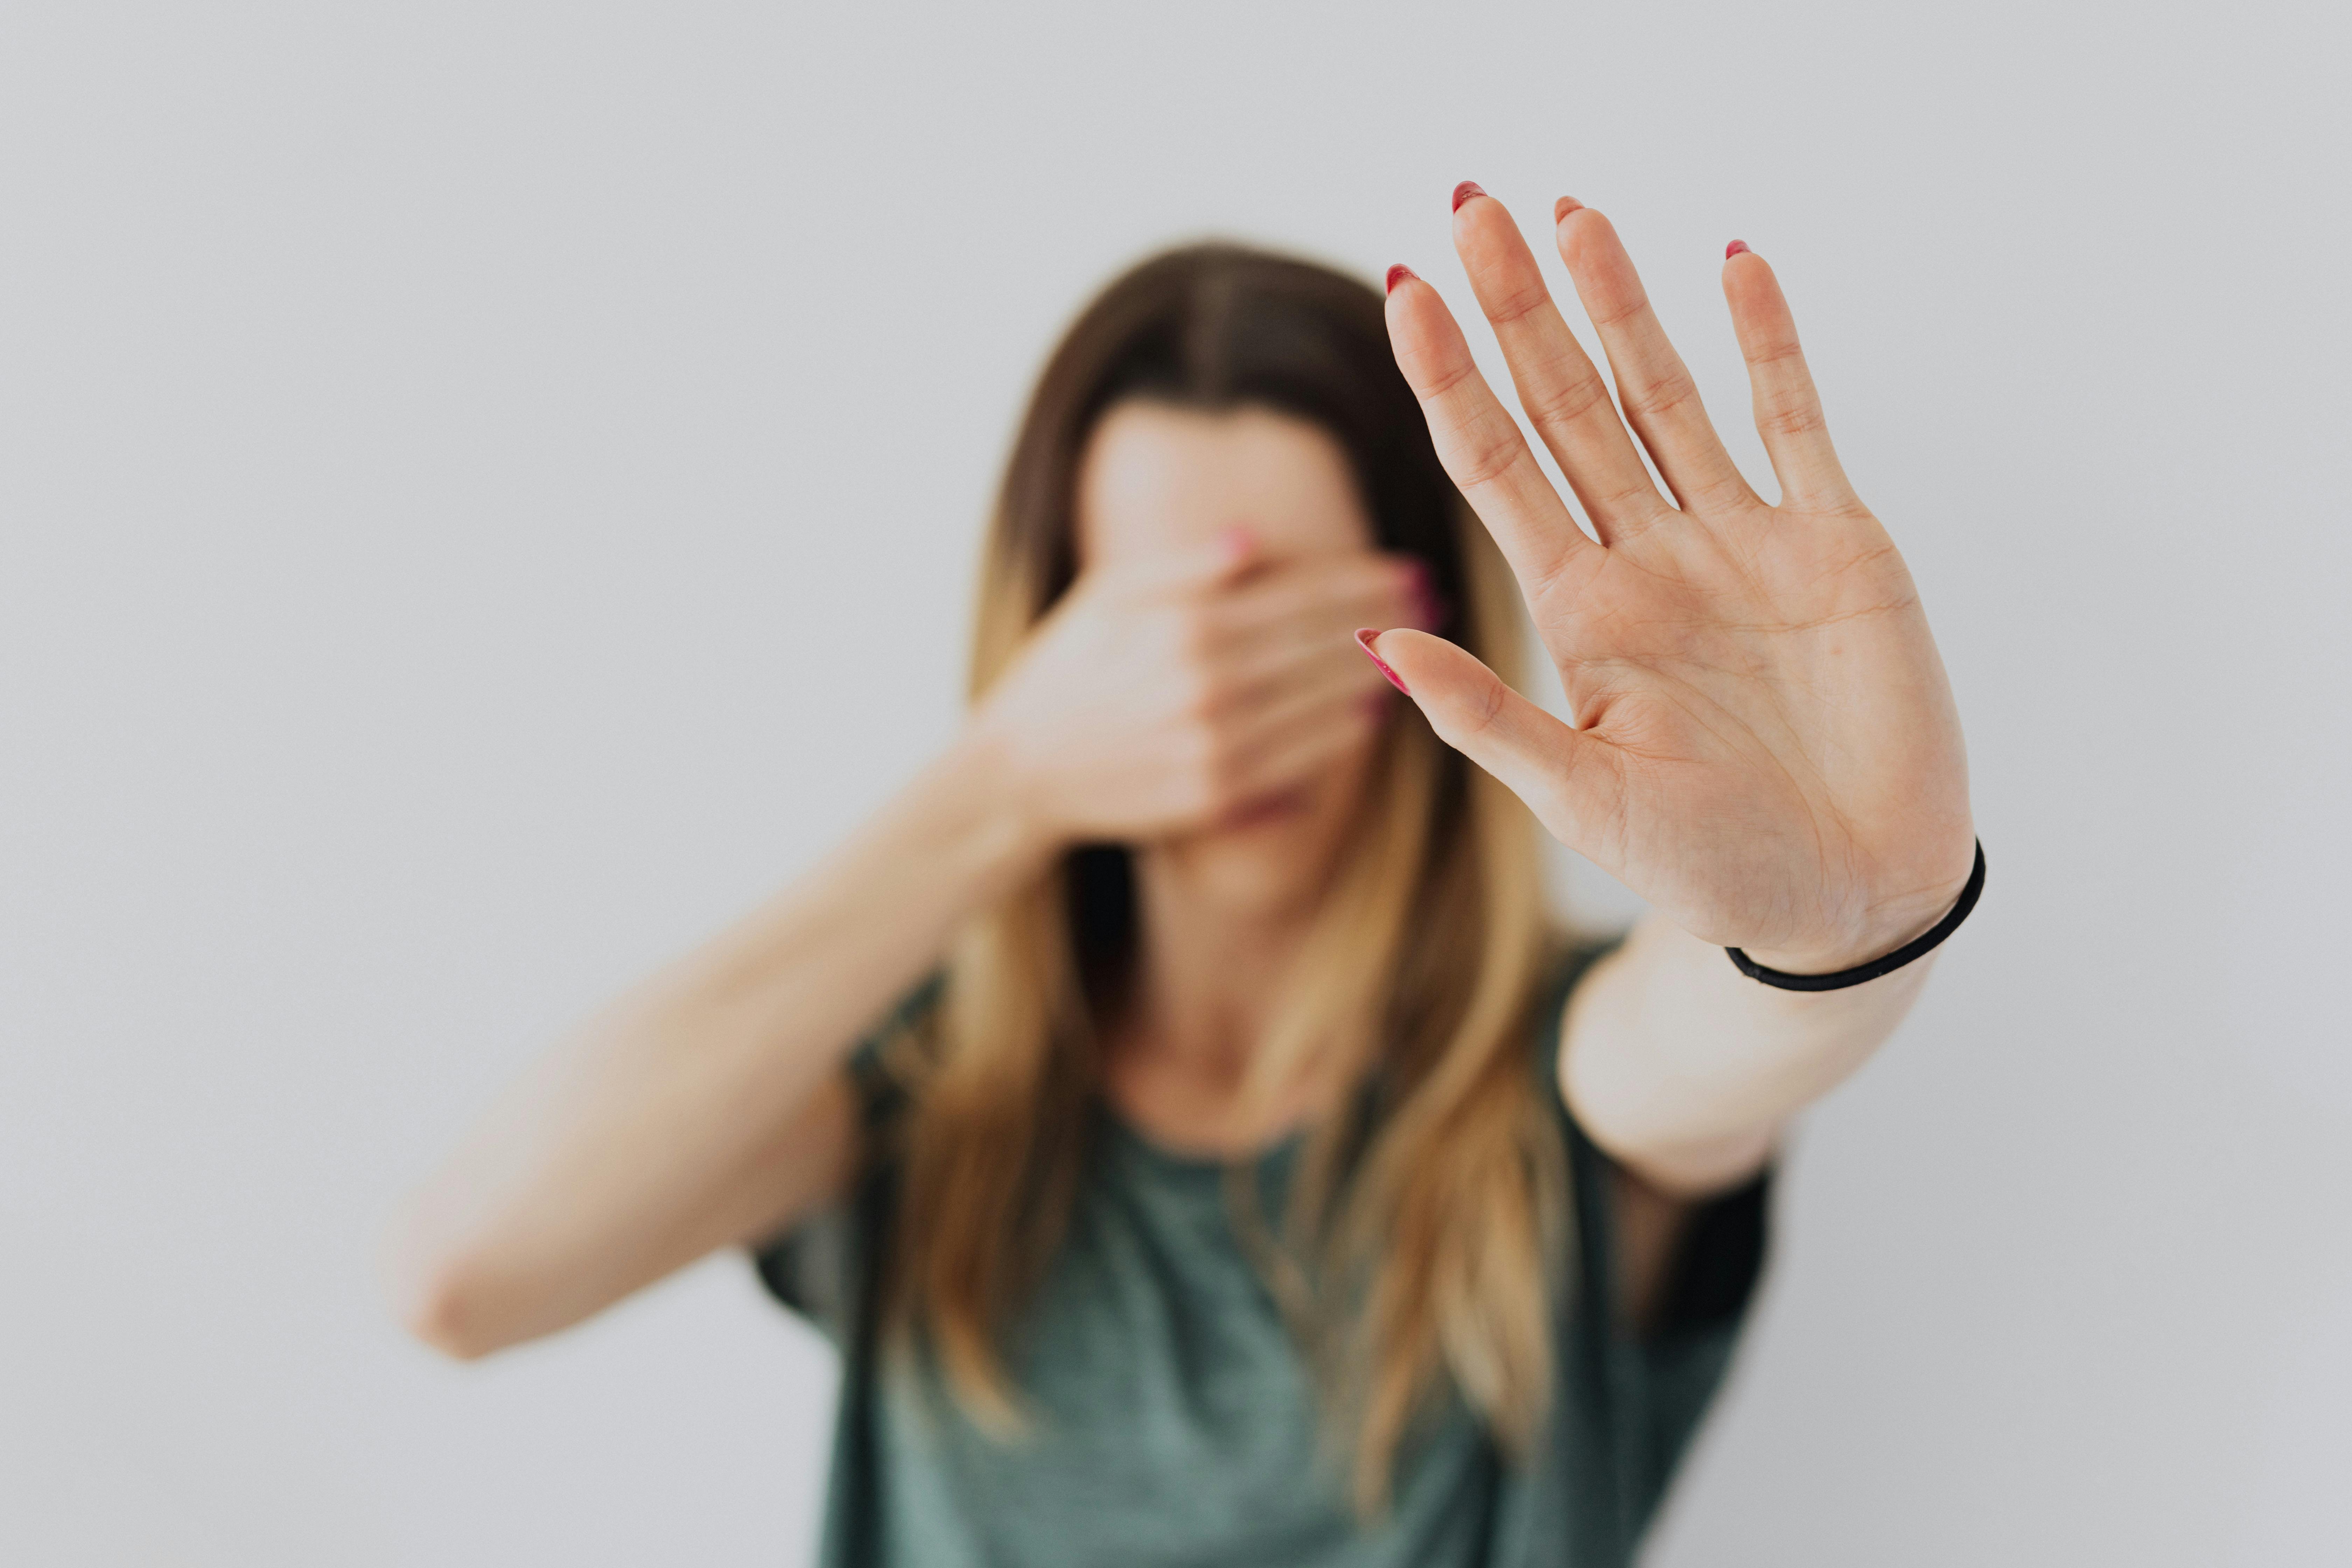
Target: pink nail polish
x=1463, y=192
x=1398, y=274
x=1734, y=248
x=1364, y=636
x=1563, y=207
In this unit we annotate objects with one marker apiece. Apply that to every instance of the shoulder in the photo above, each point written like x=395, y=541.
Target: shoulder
x=1685, y=1263
x=890, y=1058
x=821, y=1265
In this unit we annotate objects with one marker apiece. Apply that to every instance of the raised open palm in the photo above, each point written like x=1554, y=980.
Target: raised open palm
x=1765, y=742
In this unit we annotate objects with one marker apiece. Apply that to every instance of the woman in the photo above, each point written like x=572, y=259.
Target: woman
x=1175, y=1101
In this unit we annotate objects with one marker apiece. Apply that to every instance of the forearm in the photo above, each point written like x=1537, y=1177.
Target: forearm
x=1686, y=1069
x=705, y=1104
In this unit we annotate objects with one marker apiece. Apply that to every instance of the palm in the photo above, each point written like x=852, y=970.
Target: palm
x=1761, y=707
x=1766, y=746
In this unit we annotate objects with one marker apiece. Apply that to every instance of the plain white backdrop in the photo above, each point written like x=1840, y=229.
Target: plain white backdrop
x=487, y=491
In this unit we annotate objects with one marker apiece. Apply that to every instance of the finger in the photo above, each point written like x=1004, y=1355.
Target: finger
x=1571, y=780
x=1788, y=409
x=1309, y=601
x=1478, y=441
x=1557, y=386
x=1294, y=654
x=1223, y=558
x=1304, y=643
x=1298, y=751
x=1660, y=397
x=1338, y=678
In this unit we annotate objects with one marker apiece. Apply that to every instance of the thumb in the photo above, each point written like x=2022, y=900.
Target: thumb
x=1567, y=779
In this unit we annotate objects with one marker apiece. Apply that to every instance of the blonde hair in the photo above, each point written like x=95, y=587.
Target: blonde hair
x=1412, y=1255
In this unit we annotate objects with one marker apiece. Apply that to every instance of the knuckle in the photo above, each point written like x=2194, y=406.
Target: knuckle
x=1666, y=394
x=1794, y=418
x=1489, y=707
x=1449, y=378
x=1567, y=399
x=1634, y=499
x=1518, y=303
x=1483, y=450
x=1616, y=315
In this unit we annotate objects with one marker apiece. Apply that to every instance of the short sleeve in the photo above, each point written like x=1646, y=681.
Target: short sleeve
x=1647, y=1387
x=819, y=1266
x=1665, y=1374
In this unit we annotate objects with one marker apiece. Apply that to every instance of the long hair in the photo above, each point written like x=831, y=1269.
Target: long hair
x=1411, y=1251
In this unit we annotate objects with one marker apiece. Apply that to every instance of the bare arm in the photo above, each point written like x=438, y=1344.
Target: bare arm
x=1686, y=1071
x=708, y=1105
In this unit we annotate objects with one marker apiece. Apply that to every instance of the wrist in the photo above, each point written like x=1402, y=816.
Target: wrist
x=1847, y=953
x=1890, y=925
x=980, y=779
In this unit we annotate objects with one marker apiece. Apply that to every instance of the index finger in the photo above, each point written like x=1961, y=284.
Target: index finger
x=1478, y=442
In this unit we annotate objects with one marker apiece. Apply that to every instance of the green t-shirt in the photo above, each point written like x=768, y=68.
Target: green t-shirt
x=1173, y=1422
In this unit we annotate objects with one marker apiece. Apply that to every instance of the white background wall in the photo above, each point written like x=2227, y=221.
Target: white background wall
x=487, y=491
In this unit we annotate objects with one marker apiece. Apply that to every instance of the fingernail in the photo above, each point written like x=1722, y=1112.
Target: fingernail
x=1364, y=636
x=1463, y=192
x=1398, y=274
x=1734, y=248
x=1563, y=207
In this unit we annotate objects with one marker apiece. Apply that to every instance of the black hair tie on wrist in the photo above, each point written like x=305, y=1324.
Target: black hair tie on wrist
x=1876, y=966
